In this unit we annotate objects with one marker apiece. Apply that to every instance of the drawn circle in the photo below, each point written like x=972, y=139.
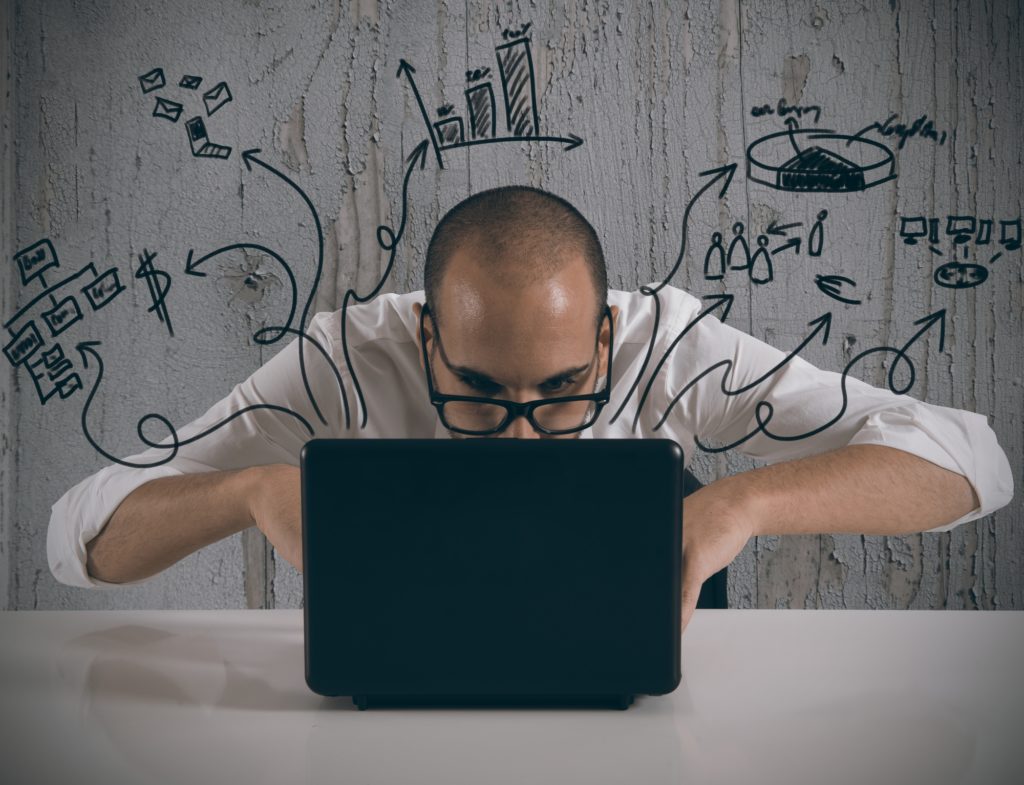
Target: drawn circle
x=960, y=275
x=140, y=427
x=385, y=237
x=819, y=161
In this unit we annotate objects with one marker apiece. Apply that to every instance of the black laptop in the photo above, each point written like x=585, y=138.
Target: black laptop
x=492, y=572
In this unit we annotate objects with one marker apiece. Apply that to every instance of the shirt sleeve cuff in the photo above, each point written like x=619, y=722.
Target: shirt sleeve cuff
x=957, y=440
x=80, y=515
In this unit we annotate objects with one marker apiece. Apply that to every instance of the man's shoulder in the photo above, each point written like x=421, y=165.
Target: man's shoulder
x=641, y=306
x=387, y=317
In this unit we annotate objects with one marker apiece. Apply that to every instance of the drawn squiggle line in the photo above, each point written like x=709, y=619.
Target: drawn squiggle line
x=823, y=322
x=86, y=348
x=257, y=337
x=387, y=239
x=249, y=157
x=764, y=410
x=721, y=301
x=192, y=268
x=726, y=172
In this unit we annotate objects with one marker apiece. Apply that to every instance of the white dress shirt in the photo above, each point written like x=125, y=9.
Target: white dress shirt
x=383, y=348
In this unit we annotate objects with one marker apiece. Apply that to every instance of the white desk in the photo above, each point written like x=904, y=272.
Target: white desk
x=822, y=697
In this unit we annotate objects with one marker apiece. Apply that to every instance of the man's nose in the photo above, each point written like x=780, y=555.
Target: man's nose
x=520, y=428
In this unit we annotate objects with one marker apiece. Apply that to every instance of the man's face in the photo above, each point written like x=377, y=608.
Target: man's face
x=520, y=342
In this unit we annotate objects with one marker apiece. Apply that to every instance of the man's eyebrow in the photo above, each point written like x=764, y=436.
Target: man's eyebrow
x=464, y=370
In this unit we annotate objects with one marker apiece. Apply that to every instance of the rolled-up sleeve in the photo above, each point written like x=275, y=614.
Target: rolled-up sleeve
x=256, y=437
x=801, y=410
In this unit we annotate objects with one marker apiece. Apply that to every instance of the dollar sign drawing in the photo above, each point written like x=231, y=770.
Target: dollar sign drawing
x=159, y=283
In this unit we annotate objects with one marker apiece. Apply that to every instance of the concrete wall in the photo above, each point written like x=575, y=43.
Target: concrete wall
x=8, y=422
x=660, y=92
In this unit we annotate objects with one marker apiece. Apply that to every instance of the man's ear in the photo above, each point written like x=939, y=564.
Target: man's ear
x=605, y=333
x=417, y=309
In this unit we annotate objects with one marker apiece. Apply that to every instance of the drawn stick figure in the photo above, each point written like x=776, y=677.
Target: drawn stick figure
x=761, y=270
x=714, y=260
x=817, y=237
x=739, y=248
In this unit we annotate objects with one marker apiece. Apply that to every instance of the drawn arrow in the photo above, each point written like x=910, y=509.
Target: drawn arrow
x=86, y=349
x=795, y=241
x=723, y=301
x=404, y=68
x=832, y=284
x=764, y=411
x=249, y=158
x=773, y=228
x=822, y=324
x=721, y=173
x=388, y=239
x=927, y=322
x=571, y=142
x=192, y=268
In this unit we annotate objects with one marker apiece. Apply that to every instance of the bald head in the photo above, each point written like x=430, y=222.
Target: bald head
x=512, y=241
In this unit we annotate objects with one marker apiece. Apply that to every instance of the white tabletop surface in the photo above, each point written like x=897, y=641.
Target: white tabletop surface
x=823, y=697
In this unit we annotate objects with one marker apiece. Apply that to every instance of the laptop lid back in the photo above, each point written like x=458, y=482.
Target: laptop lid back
x=496, y=567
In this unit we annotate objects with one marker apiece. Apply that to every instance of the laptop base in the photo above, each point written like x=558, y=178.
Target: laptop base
x=620, y=702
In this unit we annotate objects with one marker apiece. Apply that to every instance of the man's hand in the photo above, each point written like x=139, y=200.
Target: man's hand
x=276, y=508
x=716, y=527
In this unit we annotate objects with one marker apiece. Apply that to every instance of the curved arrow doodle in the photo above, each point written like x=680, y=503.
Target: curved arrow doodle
x=764, y=411
x=86, y=349
x=723, y=301
x=249, y=157
x=258, y=338
x=823, y=322
x=192, y=268
x=719, y=173
x=387, y=239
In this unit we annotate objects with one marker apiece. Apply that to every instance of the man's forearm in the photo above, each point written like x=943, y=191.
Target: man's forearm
x=166, y=519
x=858, y=489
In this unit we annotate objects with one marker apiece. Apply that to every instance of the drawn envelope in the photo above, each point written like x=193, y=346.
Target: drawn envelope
x=216, y=97
x=168, y=110
x=190, y=82
x=153, y=80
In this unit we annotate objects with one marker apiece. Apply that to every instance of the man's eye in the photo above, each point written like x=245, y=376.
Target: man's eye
x=560, y=386
x=488, y=388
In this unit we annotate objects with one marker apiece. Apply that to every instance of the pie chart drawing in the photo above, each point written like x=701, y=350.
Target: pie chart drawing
x=819, y=161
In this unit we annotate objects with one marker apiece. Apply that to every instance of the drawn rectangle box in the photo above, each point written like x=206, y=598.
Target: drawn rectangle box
x=517, y=81
x=1010, y=234
x=480, y=103
x=35, y=260
x=52, y=375
x=62, y=315
x=450, y=131
x=912, y=228
x=24, y=344
x=103, y=289
x=961, y=227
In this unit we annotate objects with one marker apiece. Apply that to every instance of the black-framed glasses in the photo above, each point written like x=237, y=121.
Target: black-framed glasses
x=481, y=416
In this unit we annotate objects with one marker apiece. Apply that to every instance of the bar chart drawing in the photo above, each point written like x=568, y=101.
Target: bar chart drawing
x=517, y=82
x=450, y=131
x=519, y=91
x=482, y=119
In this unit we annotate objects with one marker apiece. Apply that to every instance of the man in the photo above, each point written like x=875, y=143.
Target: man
x=516, y=307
